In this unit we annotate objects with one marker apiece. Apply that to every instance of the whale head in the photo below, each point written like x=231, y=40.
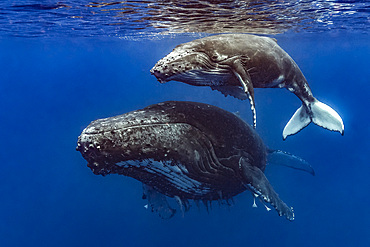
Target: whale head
x=193, y=63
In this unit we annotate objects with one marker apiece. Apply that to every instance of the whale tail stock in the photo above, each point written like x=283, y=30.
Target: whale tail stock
x=316, y=112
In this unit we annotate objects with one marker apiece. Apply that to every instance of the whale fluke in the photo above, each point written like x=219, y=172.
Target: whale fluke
x=316, y=112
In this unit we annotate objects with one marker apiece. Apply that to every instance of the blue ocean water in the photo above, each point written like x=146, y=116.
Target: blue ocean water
x=66, y=64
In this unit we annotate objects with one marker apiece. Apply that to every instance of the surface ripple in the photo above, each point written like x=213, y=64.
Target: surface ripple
x=155, y=18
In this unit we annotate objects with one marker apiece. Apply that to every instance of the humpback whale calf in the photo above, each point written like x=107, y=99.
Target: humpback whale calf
x=235, y=64
x=186, y=151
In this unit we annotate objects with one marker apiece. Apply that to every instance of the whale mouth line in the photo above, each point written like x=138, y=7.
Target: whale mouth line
x=161, y=80
x=160, y=76
x=198, y=76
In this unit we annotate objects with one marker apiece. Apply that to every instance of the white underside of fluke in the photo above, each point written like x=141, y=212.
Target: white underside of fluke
x=299, y=120
x=318, y=113
x=326, y=117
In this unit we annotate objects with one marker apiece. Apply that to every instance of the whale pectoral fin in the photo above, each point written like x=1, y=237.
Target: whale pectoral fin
x=157, y=202
x=256, y=181
x=316, y=112
x=236, y=92
x=282, y=158
x=245, y=81
x=236, y=65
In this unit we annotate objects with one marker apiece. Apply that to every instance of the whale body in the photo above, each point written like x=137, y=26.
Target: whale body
x=183, y=150
x=235, y=64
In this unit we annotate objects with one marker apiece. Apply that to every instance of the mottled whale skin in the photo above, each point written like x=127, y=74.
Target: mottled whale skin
x=184, y=150
x=235, y=64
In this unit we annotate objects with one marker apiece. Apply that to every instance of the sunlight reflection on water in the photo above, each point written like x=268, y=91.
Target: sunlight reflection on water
x=150, y=18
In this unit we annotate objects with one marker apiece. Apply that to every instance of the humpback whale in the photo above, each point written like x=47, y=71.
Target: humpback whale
x=186, y=151
x=235, y=64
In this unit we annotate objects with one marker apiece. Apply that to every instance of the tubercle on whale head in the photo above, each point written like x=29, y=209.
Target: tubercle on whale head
x=179, y=61
x=160, y=77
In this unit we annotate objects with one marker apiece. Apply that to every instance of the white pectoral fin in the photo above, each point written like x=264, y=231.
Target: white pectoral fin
x=246, y=82
x=299, y=120
x=318, y=113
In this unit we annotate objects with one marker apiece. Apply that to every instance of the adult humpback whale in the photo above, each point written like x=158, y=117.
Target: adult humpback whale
x=184, y=150
x=235, y=64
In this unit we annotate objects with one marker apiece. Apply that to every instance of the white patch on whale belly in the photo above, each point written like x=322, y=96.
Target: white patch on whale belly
x=278, y=82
